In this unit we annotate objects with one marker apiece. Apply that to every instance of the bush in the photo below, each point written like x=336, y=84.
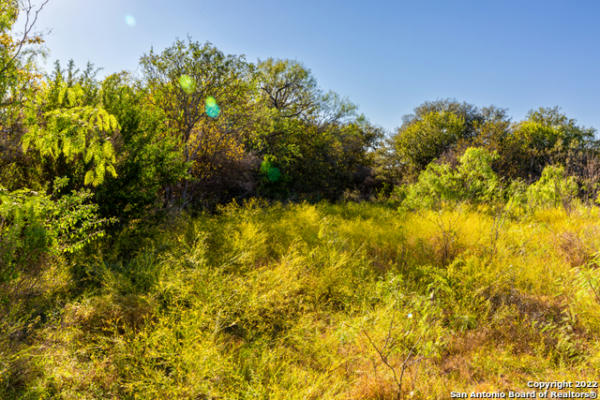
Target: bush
x=34, y=226
x=553, y=189
x=473, y=180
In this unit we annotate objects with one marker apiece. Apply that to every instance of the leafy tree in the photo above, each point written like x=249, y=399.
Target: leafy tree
x=18, y=81
x=318, y=144
x=468, y=112
x=71, y=129
x=478, y=179
x=16, y=51
x=147, y=161
x=323, y=161
x=546, y=137
x=425, y=139
x=288, y=87
x=208, y=142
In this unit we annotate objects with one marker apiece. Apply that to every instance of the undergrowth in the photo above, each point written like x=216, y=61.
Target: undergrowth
x=349, y=301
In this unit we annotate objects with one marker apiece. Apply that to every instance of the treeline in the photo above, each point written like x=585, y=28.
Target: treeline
x=200, y=128
x=151, y=142
x=450, y=151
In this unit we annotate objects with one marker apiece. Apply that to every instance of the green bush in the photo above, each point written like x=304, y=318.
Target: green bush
x=553, y=189
x=472, y=180
x=34, y=226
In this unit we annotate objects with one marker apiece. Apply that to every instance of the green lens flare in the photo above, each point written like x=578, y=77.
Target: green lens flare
x=274, y=174
x=187, y=84
x=213, y=112
x=212, y=108
x=210, y=101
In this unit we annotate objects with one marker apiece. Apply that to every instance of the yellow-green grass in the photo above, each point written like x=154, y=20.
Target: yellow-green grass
x=298, y=301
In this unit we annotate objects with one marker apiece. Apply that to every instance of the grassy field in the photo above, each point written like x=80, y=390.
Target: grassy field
x=352, y=301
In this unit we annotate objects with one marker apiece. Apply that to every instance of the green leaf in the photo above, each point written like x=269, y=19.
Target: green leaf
x=89, y=177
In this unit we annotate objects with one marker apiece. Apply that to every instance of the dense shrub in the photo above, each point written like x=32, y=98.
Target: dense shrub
x=35, y=226
x=472, y=180
x=553, y=189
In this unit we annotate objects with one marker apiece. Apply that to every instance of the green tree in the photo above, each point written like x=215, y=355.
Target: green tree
x=147, y=162
x=427, y=138
x=473, y=180
x=179, y=82
x=443, y=130
x=17, y=50
x=317, y=142
x=546, y=137
x=71, y=130
x=18, y=81
x=288, y=87
x=553, y=189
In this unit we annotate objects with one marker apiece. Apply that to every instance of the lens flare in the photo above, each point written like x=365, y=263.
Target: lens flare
x=210, y=101
x=130, y=20
x=212, y=108
x=213, y=112
x=187, y=84
x=273, y=174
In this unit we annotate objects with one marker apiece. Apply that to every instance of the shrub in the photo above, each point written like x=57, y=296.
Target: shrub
x=473, y=180
x=34, y=226
x=553, y=189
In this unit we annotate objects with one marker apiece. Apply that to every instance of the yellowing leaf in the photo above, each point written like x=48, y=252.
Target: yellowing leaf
x=89, y=177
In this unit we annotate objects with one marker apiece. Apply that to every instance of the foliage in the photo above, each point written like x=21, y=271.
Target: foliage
x=472, y=180
x=546, y=137
x=320, y=144
x=288, y=87
x=34, y=226
x=67, y=129
x=210, y=145
x=553, y=189
x=427, y=138
x=141, y=276
x=444, y=129
x=293, y=301
x=147, y=161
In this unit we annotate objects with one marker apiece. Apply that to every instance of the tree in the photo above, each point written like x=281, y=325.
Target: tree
x=473, y=180
x=147, y=162
x=468, y=112
x=313, y=145
x=546, y=137
x=443, y=130
x=438, y=129
x=427, y=138
x=18, y=82
x=180, y=82
x=16, y=63
x=69, y=127
x=288, y=87
x=553, y=189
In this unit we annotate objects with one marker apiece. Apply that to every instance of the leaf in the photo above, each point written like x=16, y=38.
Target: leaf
x=88, y=156
x=107, y=149
x=111, y=169
x=26, y=141
x=67, y=147
x=89, y=177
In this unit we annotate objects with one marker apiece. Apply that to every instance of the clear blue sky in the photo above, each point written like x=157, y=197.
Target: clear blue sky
x=385, y=56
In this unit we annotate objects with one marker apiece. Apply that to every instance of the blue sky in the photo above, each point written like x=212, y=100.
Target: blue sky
x=385, y=56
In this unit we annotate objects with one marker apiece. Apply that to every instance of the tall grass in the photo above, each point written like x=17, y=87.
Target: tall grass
x=321, y=302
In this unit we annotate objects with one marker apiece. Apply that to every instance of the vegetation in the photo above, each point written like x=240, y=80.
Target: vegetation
x=222, y=229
